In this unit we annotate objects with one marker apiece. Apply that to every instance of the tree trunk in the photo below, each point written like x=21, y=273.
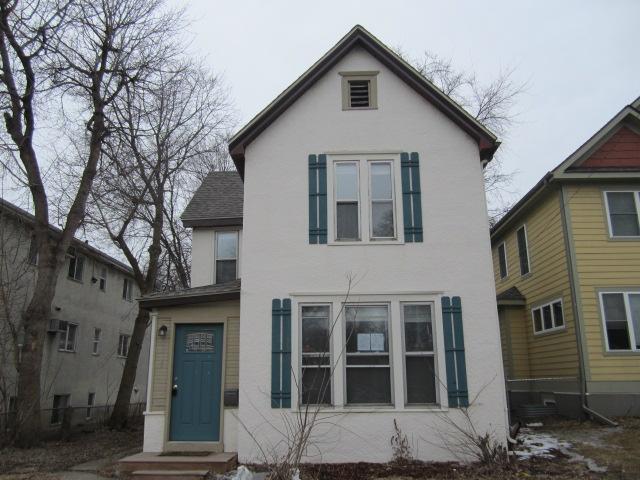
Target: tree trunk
x=120, y=414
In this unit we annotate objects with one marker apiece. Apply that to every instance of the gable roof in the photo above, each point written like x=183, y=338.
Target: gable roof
x=360, y=37
x=569, y=169
x=217, y=202
x=21, y=215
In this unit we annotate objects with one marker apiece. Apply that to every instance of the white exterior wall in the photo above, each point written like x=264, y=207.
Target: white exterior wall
x=279, y=262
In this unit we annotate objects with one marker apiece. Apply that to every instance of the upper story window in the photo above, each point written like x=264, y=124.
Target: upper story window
x=502, y=259
x=127, y=289
x=226, y=256
x=621, y=317
x=33, y=251
x=623, y=210
x=102, y=280
x=76, y=264
x=365, y=199
x=548, y=317
x=359, y=90
x=347, y=201
x=123, y=345
x=381, y=188
x=523, y=250
x=67, y=336
x=95, y=342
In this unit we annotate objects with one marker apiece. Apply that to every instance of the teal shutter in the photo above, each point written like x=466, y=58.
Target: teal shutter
x=317, y=199
x=411, y=201
x=281, y=353
x=454, y=352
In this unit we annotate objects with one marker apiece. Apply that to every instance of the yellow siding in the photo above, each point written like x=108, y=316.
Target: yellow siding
x=515, y=350
x=551, y=354
x=223, y=312
x=601, y=263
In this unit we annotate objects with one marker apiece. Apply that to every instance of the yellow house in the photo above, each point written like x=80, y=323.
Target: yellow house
x=567, y=271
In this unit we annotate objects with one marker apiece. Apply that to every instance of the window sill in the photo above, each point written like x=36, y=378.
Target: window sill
x=66, y=351
x=74, y=280
x=622, y=353
x=550, y=331
x=624, y=238
x=378, y=409
x=364, y=242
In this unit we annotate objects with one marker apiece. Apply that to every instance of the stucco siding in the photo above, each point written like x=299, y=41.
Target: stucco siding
x=602, y=263
x=279, y=262
x=552, y=354
x=223, y=312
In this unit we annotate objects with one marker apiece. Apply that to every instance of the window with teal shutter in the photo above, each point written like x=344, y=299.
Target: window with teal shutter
x=281, y=353
x=317, y=199
x=454, y=352
x=411, y=201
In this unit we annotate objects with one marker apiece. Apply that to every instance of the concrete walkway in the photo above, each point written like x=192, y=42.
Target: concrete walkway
x=85, y=471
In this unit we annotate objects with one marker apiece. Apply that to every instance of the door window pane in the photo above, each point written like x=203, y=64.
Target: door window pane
x=368, y=369
x=623, y=214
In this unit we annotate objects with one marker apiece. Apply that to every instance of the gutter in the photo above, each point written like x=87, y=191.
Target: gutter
x=577, y=314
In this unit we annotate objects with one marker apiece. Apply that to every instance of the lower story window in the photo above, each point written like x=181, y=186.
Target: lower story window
x=621, y=315
x=368, y=368
x=548, y=317
x=60, y=403
x=67, y=336
x=316, y=355
x=90, y=401
x=123, y=345
x=419, y=359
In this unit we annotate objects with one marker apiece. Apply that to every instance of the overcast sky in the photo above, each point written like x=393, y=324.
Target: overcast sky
x=579, y=58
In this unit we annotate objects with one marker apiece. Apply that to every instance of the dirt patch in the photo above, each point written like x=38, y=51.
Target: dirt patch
x=54, y=456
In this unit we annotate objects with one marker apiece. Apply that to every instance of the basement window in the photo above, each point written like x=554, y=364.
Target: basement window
x=359, y=90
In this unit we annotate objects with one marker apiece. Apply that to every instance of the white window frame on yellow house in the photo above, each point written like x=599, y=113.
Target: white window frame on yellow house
x=555, y=327
x=636, y=198
x=630, y=327
x=503, y=244
x=526, y=242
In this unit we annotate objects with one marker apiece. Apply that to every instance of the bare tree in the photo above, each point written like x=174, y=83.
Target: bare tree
x=162, y=131
x=85, y=53
x=493, y=104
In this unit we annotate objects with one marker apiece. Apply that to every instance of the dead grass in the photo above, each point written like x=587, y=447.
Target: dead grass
x=54, y=456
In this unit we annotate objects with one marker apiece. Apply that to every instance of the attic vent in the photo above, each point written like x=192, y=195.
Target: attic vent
x=359, y=90
x=359, y=93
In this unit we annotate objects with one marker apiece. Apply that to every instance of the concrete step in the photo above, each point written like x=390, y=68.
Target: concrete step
x=213, y=462
x=169, y=474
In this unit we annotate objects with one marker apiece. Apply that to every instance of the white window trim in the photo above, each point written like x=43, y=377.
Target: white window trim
x=526, y=240
x=433, y=353
x=76, y=256
x=636, y=198
x=392, y=402
x=553, y=317
x=358, y=199
x=103, y=269
x=371, y=200
x=331, y=366
x=627, y=308
x=129, y=292
x=364, y=158
x=66, y=338
x=215, y=253
x=506, y=261
x=90, y=406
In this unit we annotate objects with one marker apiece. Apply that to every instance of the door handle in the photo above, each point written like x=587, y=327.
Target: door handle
x=174, y=389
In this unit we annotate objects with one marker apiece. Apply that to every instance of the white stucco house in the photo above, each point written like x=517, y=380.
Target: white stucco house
x=345, y=265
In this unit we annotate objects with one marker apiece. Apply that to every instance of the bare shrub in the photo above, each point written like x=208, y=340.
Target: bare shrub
x=401, y=450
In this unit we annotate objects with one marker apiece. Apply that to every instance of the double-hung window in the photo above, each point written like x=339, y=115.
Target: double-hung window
x=523, y=250
x=102, y=281
x=95, y=344
x=381, y=193
x=226, y=256
x=368, y=366
x=548, y=317
x=623, y=209
x=621, y=316
x=76, y=264
x=127, y=289
x=67, y=336
x=60, y=403
x=316, y=354
x=123, y=345
x=502, y=260
x=347, y=201
x=420, y=376
x=90, y=401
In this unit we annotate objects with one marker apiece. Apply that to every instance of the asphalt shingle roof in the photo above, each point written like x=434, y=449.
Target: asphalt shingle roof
x=217, y=202
x=511, y=294
x=206, y=293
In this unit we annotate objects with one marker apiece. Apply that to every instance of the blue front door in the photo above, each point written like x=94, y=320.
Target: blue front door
x=197, y=383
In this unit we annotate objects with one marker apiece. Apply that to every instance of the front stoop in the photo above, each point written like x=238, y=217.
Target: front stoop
x=169, y=474
x=172, y=464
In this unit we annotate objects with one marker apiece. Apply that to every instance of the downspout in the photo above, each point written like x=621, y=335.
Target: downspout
x=573, y=278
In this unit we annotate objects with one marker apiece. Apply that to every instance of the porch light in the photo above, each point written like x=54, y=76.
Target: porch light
x=162, y=331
